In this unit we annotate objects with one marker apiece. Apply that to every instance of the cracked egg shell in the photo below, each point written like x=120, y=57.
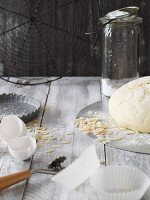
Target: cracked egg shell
x=11, y=127
x=22, y=148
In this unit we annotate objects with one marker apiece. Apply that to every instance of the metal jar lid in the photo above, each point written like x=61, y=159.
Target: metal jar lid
x=122, y=16
x=137, y=20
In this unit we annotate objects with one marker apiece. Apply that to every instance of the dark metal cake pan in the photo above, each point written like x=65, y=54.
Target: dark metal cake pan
x=25, y=107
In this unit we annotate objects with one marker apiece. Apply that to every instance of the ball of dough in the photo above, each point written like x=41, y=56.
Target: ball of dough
x=129, y=106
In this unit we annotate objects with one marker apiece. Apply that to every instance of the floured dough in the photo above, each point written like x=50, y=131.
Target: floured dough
x=129, y=106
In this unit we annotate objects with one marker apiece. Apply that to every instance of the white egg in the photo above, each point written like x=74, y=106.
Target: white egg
x=22, y=148
x=11, y=127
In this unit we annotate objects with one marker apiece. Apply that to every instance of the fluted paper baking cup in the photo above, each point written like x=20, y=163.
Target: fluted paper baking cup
x=120, y=183
x=81, y=169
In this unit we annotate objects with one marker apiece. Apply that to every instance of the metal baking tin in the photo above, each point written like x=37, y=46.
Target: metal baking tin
x=141, y=142
x=26, y=108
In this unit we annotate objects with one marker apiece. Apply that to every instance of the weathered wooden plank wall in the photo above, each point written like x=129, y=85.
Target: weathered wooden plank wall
x=65, y=38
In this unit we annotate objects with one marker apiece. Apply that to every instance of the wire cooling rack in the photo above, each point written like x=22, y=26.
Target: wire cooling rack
x=29, y=30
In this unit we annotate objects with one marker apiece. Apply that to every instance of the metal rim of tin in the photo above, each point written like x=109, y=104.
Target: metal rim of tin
x=12, y=97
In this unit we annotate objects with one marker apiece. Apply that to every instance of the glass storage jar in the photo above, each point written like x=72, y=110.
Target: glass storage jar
x=119, y=53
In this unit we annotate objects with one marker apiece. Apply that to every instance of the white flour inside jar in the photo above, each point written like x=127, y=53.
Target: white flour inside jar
x=109, y=86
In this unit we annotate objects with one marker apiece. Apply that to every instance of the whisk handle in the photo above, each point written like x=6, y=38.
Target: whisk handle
x=9, y=180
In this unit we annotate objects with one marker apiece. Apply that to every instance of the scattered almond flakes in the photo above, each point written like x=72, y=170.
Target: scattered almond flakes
x=65, y=142
x=131, y=132
x=104, y=142
x=41, y=128
x=117, y=138
x=56, y=146
x=47, y=141
x=39, y=145
x=68, y=133
x=137, y=132
x=45, y=136
x=47, y=108
x=54, y=129
x=100, y=139
x=49, y=151
x=91, y=125
x=102, y=130
x=90, y=112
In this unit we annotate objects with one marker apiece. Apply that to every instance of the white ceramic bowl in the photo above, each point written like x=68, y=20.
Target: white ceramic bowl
x=120, y=183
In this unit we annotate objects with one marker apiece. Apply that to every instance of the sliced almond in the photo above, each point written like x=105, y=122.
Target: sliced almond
x=56, y=146
x=64, y=142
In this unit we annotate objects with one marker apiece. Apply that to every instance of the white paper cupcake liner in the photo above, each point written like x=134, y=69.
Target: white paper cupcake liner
x=79, y=170
x=120, y=183
x=64, y=193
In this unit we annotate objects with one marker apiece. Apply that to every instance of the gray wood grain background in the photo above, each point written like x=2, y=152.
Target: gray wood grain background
x=65, y=38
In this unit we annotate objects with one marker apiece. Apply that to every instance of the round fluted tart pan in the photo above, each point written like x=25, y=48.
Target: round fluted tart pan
x=26, y=108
